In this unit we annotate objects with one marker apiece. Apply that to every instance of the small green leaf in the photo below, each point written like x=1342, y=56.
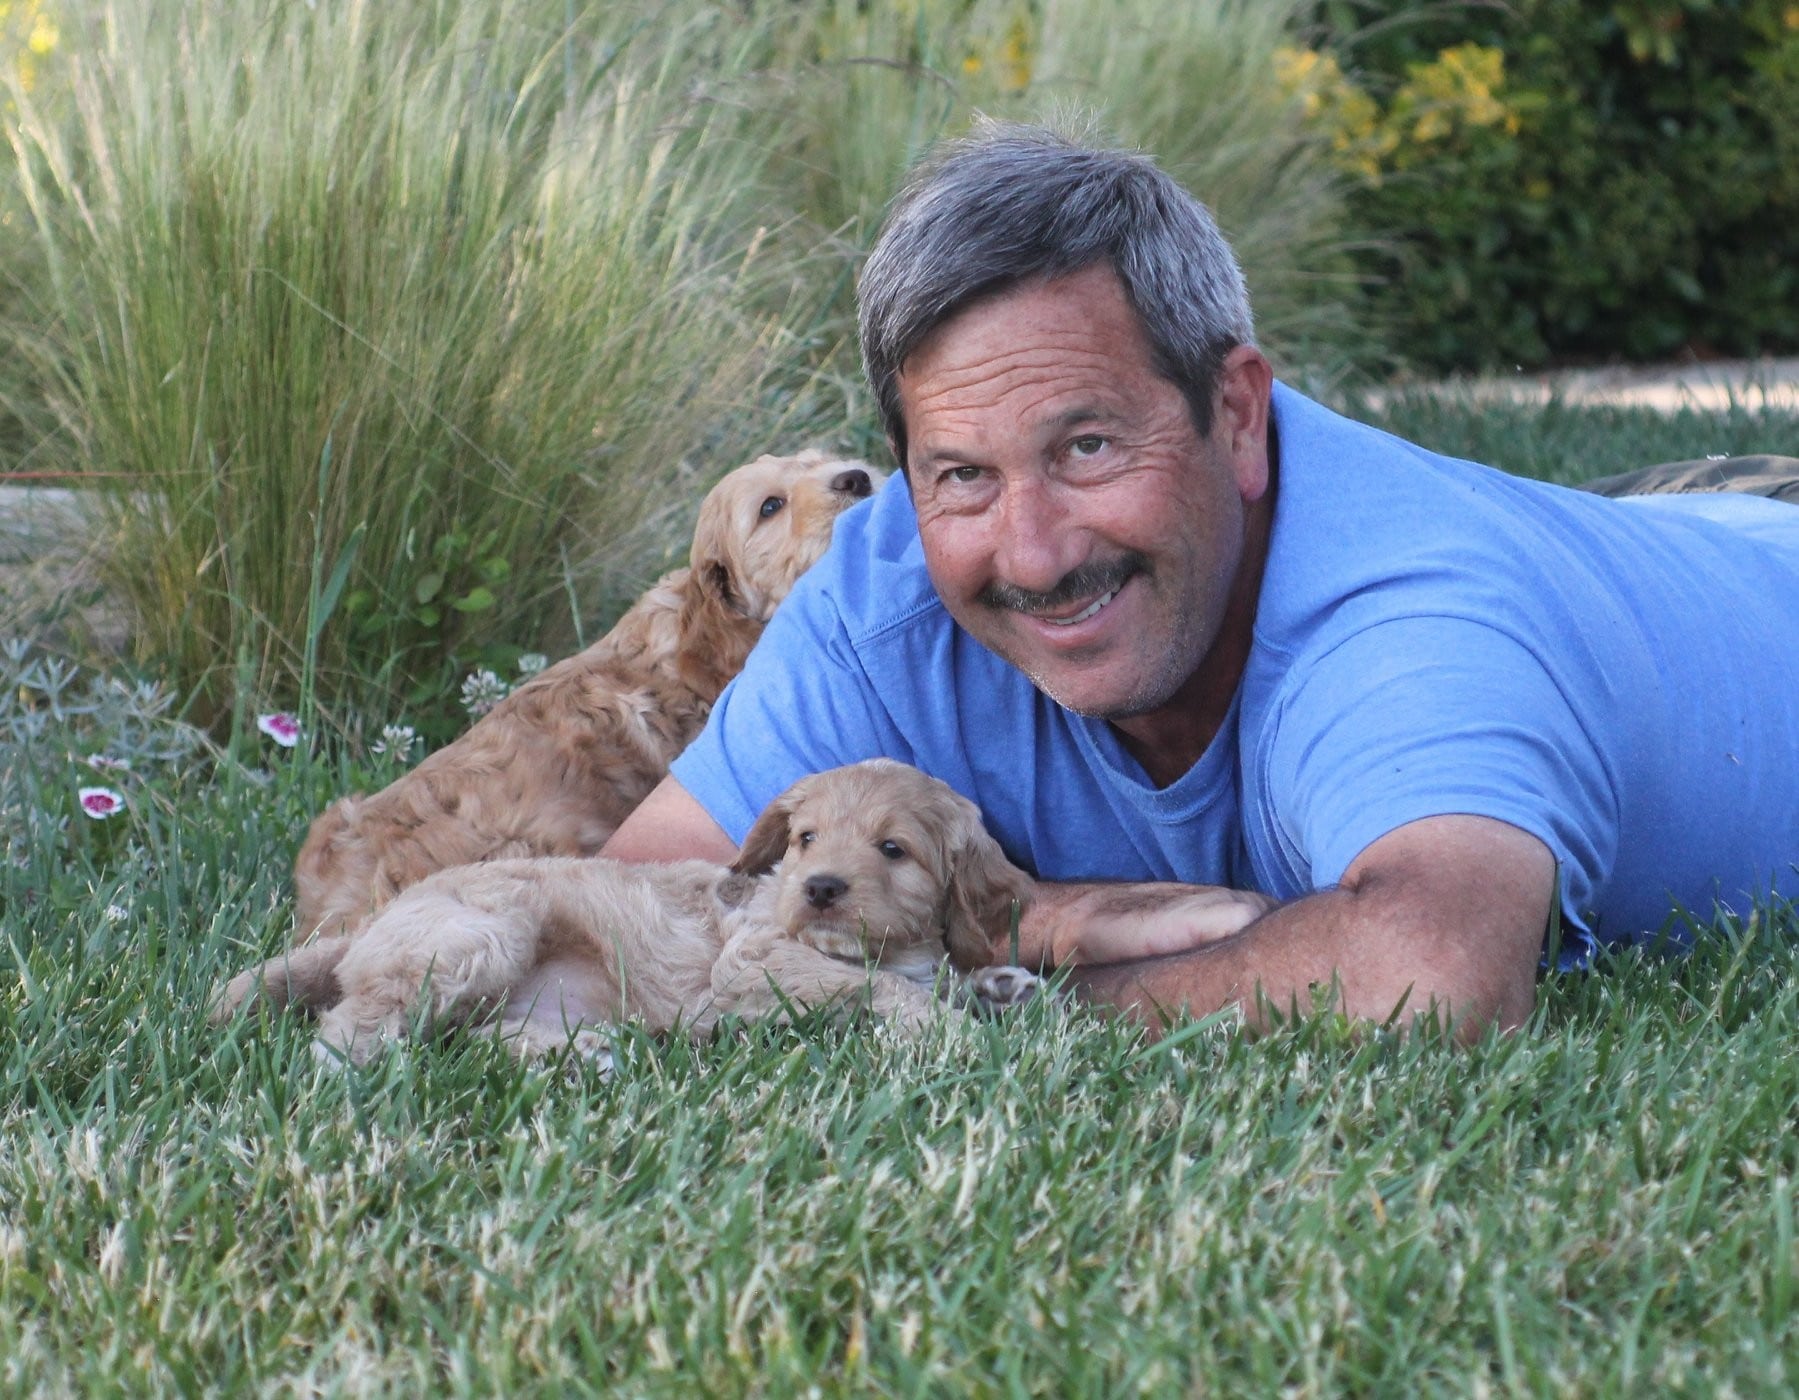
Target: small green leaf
x=495, y=569
x=475, y=600
x=428, y=587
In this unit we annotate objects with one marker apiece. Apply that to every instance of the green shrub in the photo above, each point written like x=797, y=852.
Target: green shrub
x=1561, y=180
x=851, y=98
x=400, y=337
x=382, y=323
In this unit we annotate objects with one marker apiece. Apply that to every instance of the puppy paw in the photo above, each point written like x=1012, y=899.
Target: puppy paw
x=346, y=1039
x=997, y=989
x=331, y=1055
x=231, y=998
x=596, y=1049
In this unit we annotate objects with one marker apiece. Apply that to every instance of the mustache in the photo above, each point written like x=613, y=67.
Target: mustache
x=1089, y=580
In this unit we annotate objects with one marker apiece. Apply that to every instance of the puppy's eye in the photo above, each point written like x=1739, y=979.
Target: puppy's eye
x=893, y=850
x=772, y=506
x=807, y=838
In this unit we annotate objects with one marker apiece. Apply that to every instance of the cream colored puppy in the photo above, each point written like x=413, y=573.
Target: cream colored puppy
x=857, y=886
x=558, y=764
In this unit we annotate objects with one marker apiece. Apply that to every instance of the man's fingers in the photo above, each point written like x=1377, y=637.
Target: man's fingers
x=1122, y=923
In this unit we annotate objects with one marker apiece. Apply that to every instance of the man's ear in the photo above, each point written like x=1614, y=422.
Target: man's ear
x=1241, y=415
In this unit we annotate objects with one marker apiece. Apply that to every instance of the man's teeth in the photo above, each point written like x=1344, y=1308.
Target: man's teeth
x=1086, y=612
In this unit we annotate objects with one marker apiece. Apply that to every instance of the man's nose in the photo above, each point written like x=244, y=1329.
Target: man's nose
x=1038, y=541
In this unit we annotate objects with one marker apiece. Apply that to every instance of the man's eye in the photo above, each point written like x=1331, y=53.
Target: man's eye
x=1089, y=446
x=963, y=476
x=807, y=838
x=893, y=850
x=772, y=506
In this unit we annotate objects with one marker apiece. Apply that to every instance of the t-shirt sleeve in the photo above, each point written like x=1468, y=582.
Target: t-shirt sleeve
x=1435, y=716
x=802, y=704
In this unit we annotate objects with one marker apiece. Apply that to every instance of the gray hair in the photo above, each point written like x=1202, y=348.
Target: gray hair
x=1008, y=204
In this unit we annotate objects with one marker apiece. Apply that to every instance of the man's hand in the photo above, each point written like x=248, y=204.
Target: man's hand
x=1074, y=925
x=1443, y=915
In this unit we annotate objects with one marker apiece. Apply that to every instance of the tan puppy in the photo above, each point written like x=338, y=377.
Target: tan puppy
x=856, y=886
x=557, y=765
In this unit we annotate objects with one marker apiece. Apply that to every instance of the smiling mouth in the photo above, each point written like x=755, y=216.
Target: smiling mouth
x=1089, y=611
x=1097, y=582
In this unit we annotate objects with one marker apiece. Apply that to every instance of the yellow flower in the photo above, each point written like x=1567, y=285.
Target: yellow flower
x=1293, y=67
x=1015, y=58
x=43, y=34
x=1457, y=89
x=1434, y=125
x=1340, y=110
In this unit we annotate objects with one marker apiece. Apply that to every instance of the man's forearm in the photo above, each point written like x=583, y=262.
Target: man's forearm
x=1446, y=915
x=1317, y=946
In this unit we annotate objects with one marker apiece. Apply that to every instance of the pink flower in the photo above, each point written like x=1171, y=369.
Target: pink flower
x=284, y=729
x=100, y=803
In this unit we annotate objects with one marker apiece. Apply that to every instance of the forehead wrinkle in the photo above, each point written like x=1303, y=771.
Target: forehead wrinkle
x=1036, y=401
x=980, y=364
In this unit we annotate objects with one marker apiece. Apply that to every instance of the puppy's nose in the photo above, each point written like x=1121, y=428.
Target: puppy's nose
x=822, y=891
x=852, y=482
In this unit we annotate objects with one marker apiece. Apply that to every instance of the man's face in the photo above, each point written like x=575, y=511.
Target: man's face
x=1073, y=520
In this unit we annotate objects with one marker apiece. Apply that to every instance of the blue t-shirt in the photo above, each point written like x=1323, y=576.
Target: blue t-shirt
x=1620, y=678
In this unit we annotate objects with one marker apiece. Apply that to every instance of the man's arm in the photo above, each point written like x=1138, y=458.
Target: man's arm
x=670, y=824
x=1448, y=912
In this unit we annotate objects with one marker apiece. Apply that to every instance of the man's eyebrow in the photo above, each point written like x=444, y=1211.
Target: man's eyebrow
x=1077, y=416
x=940, y=454
x=1082, y=413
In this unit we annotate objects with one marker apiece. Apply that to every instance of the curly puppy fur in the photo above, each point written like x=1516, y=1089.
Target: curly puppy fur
x=555, y=767
x=856, y=887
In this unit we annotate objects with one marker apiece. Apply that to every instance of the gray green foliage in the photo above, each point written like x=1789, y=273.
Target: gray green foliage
x=390, y=332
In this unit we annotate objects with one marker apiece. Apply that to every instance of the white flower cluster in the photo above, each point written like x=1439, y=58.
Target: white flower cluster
x=481, y=691
x=396, y=740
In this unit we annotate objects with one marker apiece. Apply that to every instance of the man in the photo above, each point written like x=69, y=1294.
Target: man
x=1173, y=624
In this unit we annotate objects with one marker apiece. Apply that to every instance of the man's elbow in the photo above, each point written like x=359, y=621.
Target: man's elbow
x=1466, y=995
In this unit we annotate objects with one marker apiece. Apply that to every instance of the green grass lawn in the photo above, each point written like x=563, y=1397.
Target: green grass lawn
x=1603, y=1204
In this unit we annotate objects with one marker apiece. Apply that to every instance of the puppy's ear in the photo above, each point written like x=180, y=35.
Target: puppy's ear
x=983, y=887
x=767, y=841
x=715, y=637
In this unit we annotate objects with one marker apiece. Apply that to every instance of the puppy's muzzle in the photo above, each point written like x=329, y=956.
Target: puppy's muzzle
x=822, y=891
x=852, y=482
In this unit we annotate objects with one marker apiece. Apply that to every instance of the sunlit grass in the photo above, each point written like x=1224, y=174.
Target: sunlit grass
x=1570, y=442
x=1602, y=1204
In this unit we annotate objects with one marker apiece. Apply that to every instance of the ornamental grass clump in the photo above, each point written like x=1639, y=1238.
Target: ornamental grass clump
x=852, y=99
x=377, y=325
